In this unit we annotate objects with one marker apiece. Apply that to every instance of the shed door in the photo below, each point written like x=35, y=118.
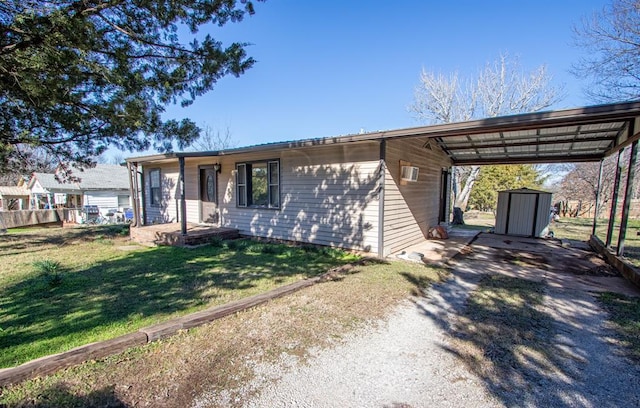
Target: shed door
x=521, y=214
x=208, y=195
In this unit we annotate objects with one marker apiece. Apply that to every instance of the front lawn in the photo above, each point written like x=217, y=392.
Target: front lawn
x=62, y=288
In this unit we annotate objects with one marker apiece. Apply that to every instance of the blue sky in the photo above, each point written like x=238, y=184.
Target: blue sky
x=328, y=68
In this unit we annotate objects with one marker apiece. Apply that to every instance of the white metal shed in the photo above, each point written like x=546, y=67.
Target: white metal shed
x=523, y=212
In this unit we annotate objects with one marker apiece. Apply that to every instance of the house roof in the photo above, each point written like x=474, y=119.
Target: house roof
x=581, y=134
x=13, y=191
x=100, y=177
x=48, y=182
x=104, y=177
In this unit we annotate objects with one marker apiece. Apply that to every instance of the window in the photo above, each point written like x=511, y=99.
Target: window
x=155, y=186
x=123, y=201
x=258, y=184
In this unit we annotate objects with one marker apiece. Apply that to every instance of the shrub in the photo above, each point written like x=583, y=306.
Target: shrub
x=231, y=245
x=271, y=249
x=309, y=248
x=50, y=270
x=216, y=242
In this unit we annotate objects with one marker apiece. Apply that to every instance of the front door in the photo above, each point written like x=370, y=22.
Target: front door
x=208, y=195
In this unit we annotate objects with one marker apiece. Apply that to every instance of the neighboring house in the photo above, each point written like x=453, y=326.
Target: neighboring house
x=105, y=186
x=378, y=192
x=14, y=197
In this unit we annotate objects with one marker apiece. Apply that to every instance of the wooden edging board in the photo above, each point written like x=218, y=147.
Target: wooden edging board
x=50, y=364
x=626, y=269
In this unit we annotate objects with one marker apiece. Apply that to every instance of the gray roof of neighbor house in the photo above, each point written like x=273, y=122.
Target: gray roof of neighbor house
x=581, y=134
x=13, y=191
x=100, y=177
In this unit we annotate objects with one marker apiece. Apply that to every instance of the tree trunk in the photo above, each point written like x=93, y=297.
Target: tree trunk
x=462, y=198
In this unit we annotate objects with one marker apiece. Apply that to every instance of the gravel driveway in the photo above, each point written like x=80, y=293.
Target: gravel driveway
x=406, y=361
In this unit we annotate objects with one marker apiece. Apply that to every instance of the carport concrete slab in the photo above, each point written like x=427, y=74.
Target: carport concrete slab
x=575, y=267
x=437, y=251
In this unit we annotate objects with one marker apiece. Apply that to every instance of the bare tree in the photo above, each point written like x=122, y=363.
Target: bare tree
x=611, y=41
x=30, y=160
x=500, y=88
x=211, y=140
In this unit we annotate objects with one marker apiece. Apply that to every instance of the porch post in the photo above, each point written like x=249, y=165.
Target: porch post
x=595, y=212
x=183, y=201
x=133, y=190
x=627, y=198
x=614, y=201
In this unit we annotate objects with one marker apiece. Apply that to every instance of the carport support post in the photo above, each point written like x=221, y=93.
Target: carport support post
x=595, y=211
x=183, y=207
x=627, y=198
x=614, y=201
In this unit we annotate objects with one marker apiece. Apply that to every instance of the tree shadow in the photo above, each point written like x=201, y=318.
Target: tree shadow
x=333, y=205
x=145, y=285
x=61, y=395
x=13, y=244
x=529, y=346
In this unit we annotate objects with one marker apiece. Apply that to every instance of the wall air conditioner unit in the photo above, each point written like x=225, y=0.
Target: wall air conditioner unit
x=409, y=173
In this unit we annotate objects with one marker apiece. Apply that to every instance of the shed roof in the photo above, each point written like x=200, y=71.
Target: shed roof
x=524, y=190
x=581, y=134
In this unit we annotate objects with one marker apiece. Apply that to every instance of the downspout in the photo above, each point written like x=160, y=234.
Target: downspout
x=627, y=200
x=614, y=201
x=183, y=200
x=381, y=180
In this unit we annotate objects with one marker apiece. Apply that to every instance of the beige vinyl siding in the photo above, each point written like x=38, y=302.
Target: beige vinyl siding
x=410, y=209
x=167, y=210
x=329, y=196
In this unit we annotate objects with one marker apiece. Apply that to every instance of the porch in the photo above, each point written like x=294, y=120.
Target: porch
x=171, y=234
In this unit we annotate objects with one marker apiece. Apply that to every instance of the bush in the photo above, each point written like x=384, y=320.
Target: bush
x=50, y=270
x=216, y=242
x=272, y=249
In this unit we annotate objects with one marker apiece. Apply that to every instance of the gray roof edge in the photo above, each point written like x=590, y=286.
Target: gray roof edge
x=613, y=111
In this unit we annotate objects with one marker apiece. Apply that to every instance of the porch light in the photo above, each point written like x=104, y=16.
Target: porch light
x=217, y=167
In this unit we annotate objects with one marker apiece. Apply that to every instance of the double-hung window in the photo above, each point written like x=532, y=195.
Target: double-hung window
x=258, y=184
x=155, y=187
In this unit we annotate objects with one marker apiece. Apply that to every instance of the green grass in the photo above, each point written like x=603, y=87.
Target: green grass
x=624, y=313
x=106, y=291
x=190, y=363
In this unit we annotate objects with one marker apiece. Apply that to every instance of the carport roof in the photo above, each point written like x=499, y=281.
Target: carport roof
x=581, y=134
x=585, y=134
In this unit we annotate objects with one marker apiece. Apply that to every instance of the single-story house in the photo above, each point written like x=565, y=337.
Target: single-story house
x=378, y=192
x=14, y=197
x=105, y=186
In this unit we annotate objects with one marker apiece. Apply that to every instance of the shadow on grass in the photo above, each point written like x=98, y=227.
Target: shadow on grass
x=422, y=282
x=60, y=395
x=26, y=241
x=141, y=288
